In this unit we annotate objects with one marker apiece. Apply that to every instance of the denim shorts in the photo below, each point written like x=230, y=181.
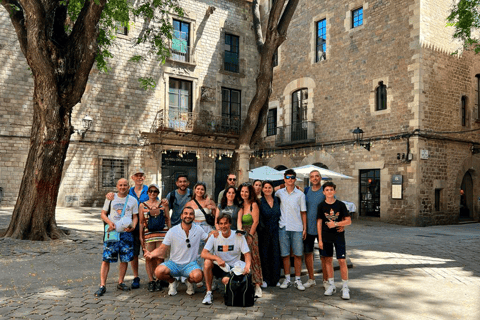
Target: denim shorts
x=181, y=270
x=290, y=239
x=340, y=249
x=122, y=248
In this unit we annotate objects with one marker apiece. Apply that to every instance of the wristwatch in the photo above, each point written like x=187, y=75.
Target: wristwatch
x=335, y=224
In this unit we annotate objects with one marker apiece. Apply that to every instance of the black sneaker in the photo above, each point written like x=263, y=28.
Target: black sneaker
x=122, y=286
x=136, y=283
x=151, y=286
x=158, y=285
x=101, y=291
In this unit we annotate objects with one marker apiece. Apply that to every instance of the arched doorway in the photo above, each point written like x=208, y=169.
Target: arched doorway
x=466, y=196
x=321, y=165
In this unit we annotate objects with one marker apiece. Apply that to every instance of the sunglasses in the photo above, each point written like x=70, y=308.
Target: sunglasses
x=246, y=184
x=188, y=243
x=232, y=179
x=153, y=191
x=290, y=177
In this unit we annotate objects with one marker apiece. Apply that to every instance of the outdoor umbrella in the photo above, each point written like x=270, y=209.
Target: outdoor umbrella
x=265, y=173
x=325, y=173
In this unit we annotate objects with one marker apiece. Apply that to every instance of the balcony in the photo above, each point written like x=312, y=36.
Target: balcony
x=201, y=124
x=181, y=53
x=297, y=133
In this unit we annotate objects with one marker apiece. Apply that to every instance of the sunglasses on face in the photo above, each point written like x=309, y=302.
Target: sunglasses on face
x=153, y=191
x=290, y=177
x=232, y=179
x=188, y=243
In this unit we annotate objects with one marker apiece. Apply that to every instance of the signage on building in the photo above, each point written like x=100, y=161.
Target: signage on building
x=397, y=186
x=175, y=159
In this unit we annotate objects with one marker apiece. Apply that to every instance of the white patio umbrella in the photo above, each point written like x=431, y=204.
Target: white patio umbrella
x=325, y=173
x=265, y=173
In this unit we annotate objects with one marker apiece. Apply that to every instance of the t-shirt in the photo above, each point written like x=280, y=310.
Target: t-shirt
x=313, y=199
x=176, y=238
x=336, y=211
x=116, y=209
x=228, y=249
x=232, y=211
x=291, y=206
x=178, y=204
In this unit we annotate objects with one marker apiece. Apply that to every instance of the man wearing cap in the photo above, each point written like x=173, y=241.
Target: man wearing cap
x=222, y=253
x=140, y=192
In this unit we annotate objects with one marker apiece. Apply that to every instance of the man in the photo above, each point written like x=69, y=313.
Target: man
x=293, y=227
x=223, y=252
x=122, y=208
x=231, y=181
x=140, y=193
x=183, y=240
x=332, y=214
x=178, y=198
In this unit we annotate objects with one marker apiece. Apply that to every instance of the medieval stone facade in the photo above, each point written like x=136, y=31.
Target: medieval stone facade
x=153, y=129
x=420, y=129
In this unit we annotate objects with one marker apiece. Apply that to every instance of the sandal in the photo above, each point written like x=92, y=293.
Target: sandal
x=101, y=291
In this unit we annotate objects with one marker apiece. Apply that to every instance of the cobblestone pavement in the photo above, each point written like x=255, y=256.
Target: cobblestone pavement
x=399, y=273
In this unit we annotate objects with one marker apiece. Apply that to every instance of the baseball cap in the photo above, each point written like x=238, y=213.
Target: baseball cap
x=154, y=185
x=138, y=170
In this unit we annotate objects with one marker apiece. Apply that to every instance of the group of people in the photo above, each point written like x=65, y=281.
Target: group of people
x=256, y=228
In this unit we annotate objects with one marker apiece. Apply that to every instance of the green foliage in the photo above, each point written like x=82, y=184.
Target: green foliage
x=465, y=18
x=147, y=83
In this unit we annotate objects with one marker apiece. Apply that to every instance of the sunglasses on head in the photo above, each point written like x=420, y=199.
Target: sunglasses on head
x=290, y=177
x=153, y=191
x=246, y=184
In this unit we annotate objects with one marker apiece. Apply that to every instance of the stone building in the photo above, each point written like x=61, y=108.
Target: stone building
x=188, y=124
x=385, y=67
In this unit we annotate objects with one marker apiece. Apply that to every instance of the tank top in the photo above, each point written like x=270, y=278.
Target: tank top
x=247, y=220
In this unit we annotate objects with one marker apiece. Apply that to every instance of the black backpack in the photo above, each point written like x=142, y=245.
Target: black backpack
x=240, y=291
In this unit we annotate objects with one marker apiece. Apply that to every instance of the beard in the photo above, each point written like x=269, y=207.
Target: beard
x=187, y=222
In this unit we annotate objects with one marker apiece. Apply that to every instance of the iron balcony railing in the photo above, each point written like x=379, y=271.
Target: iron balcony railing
x=203, y=123
x=297, y=133
x=181, y=52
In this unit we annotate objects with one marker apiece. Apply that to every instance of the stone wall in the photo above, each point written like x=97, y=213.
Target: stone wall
x=121, y=109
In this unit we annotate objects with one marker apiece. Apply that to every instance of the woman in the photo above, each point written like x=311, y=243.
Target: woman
x=229, y=205
x=154, y=222
x=248, y=219
x=202, y=203
x=268, y=239
x=257, y=186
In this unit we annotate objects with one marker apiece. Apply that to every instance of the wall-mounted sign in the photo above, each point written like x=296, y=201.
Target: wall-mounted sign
x=424, y=154
x=397, y=186
x=173, y=158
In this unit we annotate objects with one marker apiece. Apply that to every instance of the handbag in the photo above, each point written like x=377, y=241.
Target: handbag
x=210, y=219
x=113, y=235
x=155, y=223
x=240, y=291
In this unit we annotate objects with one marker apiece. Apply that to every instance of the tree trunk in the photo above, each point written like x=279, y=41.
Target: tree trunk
x=34, y=214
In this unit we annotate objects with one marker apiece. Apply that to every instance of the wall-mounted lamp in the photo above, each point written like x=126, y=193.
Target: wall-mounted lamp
x=358, y=136
x=87, y=122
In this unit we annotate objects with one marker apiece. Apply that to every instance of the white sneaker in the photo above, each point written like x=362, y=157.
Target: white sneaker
x=199, y=284
x=278, y=284
x=190, y=288
x=214, y=285
x=346, y=293
x=298, y=283
x=208, y=298
x=258, y=292
x=330, y=290
x=310, y=283
x=285, y=284
x=264, y=284
x=325, y=284
x=172, y=288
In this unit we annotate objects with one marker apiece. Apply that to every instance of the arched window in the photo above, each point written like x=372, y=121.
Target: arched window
x=381, y=96
x=463, y=111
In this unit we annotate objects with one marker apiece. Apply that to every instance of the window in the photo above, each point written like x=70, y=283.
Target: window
x=231, y=110
x=112, y=171
x=321, y=41
x=272, y=122
x=299, y=115
x=122, y=30
x=464, y=111
x=181, y=41
x=370, y=192
x=275, y=58
x=438, y=199
x=381, y=96
x=179, y=103
x=357, y=17
x=232, y=51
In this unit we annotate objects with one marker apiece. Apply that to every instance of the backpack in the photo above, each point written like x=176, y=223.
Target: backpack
x=240, y=291
x=171, y=199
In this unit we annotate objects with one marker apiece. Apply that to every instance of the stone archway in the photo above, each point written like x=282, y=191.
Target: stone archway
x=466, y=196
x=468, y=177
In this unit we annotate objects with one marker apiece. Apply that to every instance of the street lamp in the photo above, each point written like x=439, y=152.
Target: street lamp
x=87, y=122
x=358, y=137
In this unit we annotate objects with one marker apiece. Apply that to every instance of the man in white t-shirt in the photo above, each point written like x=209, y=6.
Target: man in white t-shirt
x=183, y=240
x=222, y=253
x=123, y=218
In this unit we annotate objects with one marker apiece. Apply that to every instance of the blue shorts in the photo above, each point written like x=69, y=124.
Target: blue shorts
x=290, y=239
x=124, y=248
x=181, y=270
x=340, y=249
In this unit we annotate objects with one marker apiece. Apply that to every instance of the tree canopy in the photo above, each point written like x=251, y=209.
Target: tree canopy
x=465, y=18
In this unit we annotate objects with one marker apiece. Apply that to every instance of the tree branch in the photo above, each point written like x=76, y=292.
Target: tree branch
x=257, y=25
x=287, y=17
x=262, y=119
x=18, y=21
